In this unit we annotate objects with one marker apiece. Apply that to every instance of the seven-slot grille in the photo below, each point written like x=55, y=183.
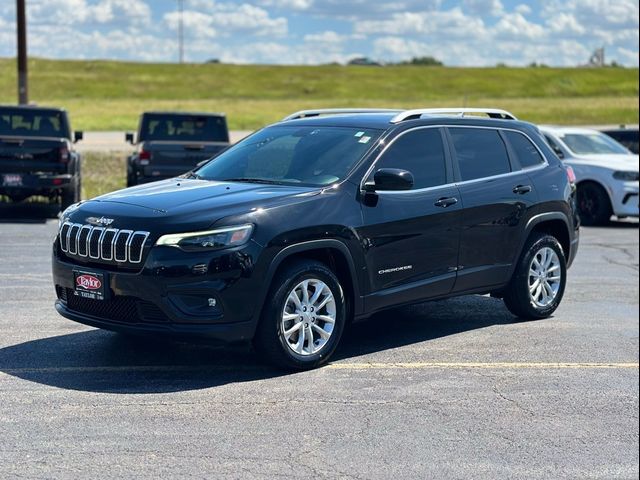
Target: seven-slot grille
x=102, y=243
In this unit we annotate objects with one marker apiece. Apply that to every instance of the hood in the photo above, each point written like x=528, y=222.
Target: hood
x=184, y=204
x=178, y=194
x=621, y=162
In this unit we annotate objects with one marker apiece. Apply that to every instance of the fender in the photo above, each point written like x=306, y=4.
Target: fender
x=287, y=252
x=536, y=220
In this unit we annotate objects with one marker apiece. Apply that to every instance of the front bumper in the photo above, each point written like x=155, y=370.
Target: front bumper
x=210, y=295
x=624, y=199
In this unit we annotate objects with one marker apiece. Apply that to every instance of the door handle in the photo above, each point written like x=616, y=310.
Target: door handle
x=446, y=202
x=522, y=189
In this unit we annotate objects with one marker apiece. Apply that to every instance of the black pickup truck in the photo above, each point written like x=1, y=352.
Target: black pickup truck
x=172, y=143
x=37, y=156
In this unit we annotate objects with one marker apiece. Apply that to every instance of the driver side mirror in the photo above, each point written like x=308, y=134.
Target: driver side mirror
x=77, y=136
x=129, y=138
x=390, y=179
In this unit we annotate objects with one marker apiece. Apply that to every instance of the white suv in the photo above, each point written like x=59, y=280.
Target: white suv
x=606, y=172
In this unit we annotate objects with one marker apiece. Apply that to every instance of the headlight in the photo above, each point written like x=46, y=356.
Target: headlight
x=626, y=176
x=209, y=240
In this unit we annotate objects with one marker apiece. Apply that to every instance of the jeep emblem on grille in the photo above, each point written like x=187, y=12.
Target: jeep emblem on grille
x=99, y=221
x=88, y=282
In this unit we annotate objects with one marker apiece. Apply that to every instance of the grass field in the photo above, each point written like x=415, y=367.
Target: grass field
x=106, y=95
x=103, y=173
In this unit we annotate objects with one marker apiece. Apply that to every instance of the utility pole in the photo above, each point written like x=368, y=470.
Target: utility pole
x=181, y=31
x=23, y=88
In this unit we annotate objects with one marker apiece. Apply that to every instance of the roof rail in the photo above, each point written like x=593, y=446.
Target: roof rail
x=337, y=111
x=490, y=112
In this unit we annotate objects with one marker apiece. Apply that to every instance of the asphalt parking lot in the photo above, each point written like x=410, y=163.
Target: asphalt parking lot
x=450, y=389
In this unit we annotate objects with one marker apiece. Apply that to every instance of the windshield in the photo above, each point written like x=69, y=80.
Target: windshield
x=592, y=143
x=33, y=123
x=184, y=128
x=313, y=156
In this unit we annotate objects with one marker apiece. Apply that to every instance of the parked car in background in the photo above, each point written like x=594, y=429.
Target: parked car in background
x=606, y=172
x=37, y=156
x=172, y=143
x=627, y=136
x=321, y=219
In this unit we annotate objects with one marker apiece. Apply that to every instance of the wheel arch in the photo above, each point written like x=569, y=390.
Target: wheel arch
x=598, y=183
x=333, y=253
x=553, y=223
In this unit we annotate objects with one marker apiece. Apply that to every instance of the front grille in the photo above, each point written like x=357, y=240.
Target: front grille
x=102, y=244
x=117, y=309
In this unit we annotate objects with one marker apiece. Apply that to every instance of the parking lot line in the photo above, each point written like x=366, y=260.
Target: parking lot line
x=333, y=366
x=488, y=365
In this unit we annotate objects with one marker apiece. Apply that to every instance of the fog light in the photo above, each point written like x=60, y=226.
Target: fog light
x=212, y=302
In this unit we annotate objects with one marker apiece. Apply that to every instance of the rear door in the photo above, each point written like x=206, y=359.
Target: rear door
x=411, y=237
x=496, y=195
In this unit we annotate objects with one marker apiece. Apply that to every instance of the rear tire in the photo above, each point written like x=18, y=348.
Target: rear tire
x=298, y=330
x=537, y=286
x=71, y=194
x=593, y=202
x=131, y=178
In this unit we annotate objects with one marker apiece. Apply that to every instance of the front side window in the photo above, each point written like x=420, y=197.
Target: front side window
x=420, y=152
x=480, y=153
x=528, y=154
x=310, y=156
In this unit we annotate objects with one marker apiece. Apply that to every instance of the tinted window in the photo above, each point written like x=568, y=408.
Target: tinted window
x=184, y=128
x=422, y=153
x=528, y=154
x=480, y=152
x=33, y=122
x=312, y=156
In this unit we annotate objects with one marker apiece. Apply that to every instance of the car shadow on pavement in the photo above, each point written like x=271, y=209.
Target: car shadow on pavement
x=106, y=362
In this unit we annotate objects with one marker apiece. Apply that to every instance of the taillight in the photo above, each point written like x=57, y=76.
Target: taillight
x=571, y=175
x=144, y=155
x=63, y=154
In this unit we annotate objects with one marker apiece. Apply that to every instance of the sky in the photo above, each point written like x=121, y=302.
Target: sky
x=462, y=33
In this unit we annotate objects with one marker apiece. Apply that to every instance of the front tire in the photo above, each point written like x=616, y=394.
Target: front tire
x=593, y=202
x=537, y=286
x=304, y=317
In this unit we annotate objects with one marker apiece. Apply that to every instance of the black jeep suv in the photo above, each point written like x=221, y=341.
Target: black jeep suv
x=37, y=156
x=326, y=217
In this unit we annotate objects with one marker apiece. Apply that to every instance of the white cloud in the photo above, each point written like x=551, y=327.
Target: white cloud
x=565, y=23
x=328, y=36
x=288, y=4
x=481, y=7
x=228, y=19
x=196, y=24
x=514, y=26
x=468, y=32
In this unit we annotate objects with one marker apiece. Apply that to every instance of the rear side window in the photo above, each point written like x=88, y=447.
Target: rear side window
x=527, y=153
x=480, y=152
x=421, y=152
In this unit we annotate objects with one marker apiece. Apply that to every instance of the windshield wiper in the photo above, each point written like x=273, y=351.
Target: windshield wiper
x=251, y=180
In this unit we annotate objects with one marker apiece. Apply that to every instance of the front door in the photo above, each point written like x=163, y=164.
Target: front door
x=411, y=237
